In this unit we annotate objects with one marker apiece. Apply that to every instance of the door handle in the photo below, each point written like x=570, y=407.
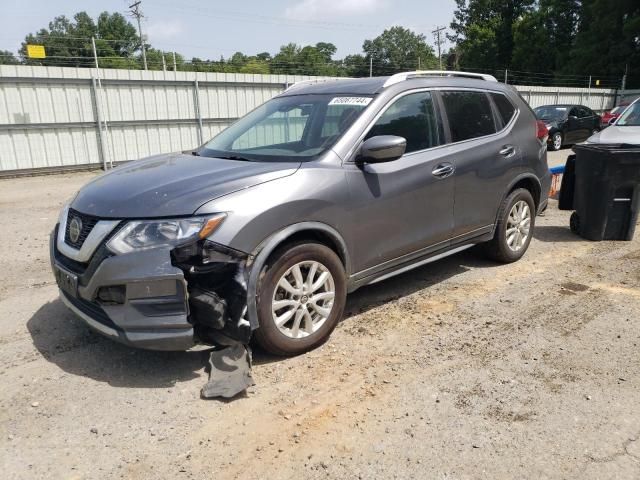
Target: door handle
x=443, y=170
x=508, y=151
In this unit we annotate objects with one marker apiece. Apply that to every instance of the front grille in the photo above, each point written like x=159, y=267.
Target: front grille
x=92, y=310
x=88, y=222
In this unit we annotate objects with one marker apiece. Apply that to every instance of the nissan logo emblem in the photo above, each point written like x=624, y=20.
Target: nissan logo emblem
x=75, y=227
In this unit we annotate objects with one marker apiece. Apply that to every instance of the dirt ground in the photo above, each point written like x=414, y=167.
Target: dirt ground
x=461, y=369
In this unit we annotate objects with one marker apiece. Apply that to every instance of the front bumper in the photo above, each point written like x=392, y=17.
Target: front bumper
x=152, y=313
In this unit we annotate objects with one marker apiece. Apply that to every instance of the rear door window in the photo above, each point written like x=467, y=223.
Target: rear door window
x=583, y=112
x=414, y=118
x=504, y=106
x=469, y=114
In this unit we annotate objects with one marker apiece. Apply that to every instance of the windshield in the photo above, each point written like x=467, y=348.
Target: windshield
x=551, y=113
x=630, y=117
x=293, y=128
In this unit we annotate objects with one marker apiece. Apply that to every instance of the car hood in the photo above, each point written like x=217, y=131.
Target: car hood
x=172, y=185
x=617, y=135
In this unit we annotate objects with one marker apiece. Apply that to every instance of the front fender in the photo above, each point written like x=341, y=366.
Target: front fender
x=261, y=254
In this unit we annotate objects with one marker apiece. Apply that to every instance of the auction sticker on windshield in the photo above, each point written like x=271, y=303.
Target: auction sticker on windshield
x=361, y=101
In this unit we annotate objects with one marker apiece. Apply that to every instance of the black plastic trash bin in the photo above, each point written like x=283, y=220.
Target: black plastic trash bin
x=604, y=181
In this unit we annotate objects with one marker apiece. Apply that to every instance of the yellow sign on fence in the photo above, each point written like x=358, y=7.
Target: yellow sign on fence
x=36, y=51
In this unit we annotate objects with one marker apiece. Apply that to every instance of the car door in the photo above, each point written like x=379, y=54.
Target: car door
x=403, y=208
x=484, y=158
x=573, y=128
x=584, y=124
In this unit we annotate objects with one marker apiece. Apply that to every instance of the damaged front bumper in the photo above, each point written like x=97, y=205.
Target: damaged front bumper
x=158, y=299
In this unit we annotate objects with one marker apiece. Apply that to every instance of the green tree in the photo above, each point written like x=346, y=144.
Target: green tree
x=398, y=49
x=310, y=60
x=255, y=65
x=8, y=58
x=608, y=41
x=68, y=42
x=544, y=37
x=355, y=66
x=285, y=61
x=483, y=31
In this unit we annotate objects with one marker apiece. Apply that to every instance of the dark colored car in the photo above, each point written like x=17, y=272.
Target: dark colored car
x=330, y=186
x=612, y=114
x=568, y=124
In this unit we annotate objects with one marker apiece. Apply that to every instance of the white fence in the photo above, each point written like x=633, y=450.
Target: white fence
x=53, y=117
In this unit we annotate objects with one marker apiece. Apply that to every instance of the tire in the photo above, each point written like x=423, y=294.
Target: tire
x=498, y=248
x=556, y=141
x=294, y=263
x=574, y=223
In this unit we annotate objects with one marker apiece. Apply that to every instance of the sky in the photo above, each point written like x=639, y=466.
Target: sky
x=209, y=29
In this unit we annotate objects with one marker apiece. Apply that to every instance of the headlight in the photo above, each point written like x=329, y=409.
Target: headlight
x=548, y=126
x=146, y=234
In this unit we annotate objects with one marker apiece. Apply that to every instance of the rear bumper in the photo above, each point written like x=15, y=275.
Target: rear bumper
x=151, y=313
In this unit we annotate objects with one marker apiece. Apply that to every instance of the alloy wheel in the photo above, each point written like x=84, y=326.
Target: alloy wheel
x=303, y=299
x=518, y=226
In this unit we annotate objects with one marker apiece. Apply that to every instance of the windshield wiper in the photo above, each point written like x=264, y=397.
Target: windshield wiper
x=195, y=153
x=233, y=157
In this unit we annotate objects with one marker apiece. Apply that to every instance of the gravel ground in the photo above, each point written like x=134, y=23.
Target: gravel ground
x=461, y=369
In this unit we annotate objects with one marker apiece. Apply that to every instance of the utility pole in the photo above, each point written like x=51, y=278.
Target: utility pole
x=175, y=68
x=104, y=138
x=135, y=12
x=370, y=66
x=623, y=86
x=439, y=42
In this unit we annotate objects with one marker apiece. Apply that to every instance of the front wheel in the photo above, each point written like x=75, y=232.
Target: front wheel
x=516, y=221
x=301, y=298
x=556, y=141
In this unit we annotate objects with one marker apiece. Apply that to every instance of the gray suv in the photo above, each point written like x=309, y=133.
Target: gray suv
x=330, y=186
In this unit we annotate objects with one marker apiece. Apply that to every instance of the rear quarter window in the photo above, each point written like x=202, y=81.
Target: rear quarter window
x=504, y=106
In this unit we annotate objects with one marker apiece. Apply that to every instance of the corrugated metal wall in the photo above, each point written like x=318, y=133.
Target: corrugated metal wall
x=597, y=99
x=51, y=116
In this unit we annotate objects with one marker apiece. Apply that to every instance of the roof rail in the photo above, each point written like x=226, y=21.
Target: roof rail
x=312, y=81
x=401, y=77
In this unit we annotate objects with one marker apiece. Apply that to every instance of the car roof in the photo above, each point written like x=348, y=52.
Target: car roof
x=562, y=105
x=400, y=82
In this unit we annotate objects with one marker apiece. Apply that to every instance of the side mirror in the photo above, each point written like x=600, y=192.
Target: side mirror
x=572, y=117
x=383, y=148
x=612, y=120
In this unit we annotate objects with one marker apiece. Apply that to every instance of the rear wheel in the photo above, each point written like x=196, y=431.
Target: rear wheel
x=574, y=223
x=516, y=221
x=301, y=298
x=556, y=141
